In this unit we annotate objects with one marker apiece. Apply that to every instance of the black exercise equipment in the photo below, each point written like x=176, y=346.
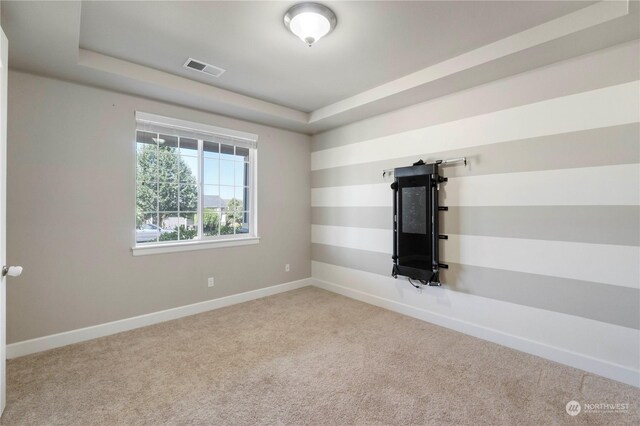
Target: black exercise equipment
x=415, y=222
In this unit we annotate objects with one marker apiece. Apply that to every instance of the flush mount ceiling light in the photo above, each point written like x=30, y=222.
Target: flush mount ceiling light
x=310, y=21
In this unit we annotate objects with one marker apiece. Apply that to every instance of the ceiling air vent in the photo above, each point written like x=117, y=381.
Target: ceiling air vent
x=200, y=66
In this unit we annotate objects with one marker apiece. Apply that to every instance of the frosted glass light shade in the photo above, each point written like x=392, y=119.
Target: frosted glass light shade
x=310, y=21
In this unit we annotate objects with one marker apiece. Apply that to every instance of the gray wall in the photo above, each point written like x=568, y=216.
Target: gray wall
x=544, y=223
x=71, y=206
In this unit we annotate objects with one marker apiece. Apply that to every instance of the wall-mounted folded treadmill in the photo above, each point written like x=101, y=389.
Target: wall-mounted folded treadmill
x=415, y=223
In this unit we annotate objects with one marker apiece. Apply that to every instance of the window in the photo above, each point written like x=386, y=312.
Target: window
x=195, y=184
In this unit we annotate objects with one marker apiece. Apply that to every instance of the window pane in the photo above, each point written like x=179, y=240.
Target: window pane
x=242, y=154
x=244, y=224
x=226, y=193
x=166, y=142
x=169, y=222
x=239, y=195
x=169, y=188
x=246, y=198
x=211, y=149
x=189, y=147
x=234, y=214
x=188, y=169
x=187, y=226
x=169, y=147
x=146, y=197
x=167, y=166
x=147, y=163
x=146, y=137
x=234, y=205
x=211, y=171
x=168, y=197
x=214, y=202
x=226, y=172
x=211, y=222
x=147, y=229
x=241, y=174
x=211, y=190
x=227, y=152
x=226, y=224
x=188, y=197
x=146, y=157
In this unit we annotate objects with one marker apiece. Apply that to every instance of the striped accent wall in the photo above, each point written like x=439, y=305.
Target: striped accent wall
x=543, y=223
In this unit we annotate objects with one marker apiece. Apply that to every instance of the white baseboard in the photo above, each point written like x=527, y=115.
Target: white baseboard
x=44, y=343
x=592, y=365
x=563, y=356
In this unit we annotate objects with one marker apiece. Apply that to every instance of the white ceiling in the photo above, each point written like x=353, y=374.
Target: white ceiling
x=373, y=43
x=382, y=55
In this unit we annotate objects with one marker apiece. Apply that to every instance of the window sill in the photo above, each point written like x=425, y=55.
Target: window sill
x=192, y=245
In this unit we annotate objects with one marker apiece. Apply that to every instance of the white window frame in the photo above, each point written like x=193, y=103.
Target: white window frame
x=202, y=242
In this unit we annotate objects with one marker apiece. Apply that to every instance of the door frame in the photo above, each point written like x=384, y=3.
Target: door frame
x=4, y=72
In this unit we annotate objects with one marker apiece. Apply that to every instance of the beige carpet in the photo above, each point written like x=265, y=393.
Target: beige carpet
x=302, y=357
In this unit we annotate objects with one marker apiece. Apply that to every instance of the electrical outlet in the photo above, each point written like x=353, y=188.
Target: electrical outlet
x=287, y=268
x=210, y=282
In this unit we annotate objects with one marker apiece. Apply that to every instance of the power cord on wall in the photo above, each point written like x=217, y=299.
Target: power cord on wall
x=423, y=282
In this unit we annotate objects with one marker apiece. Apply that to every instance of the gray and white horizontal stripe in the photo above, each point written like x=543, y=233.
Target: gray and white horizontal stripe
x=587, y=224
x=601, y=302
x=546, y=215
